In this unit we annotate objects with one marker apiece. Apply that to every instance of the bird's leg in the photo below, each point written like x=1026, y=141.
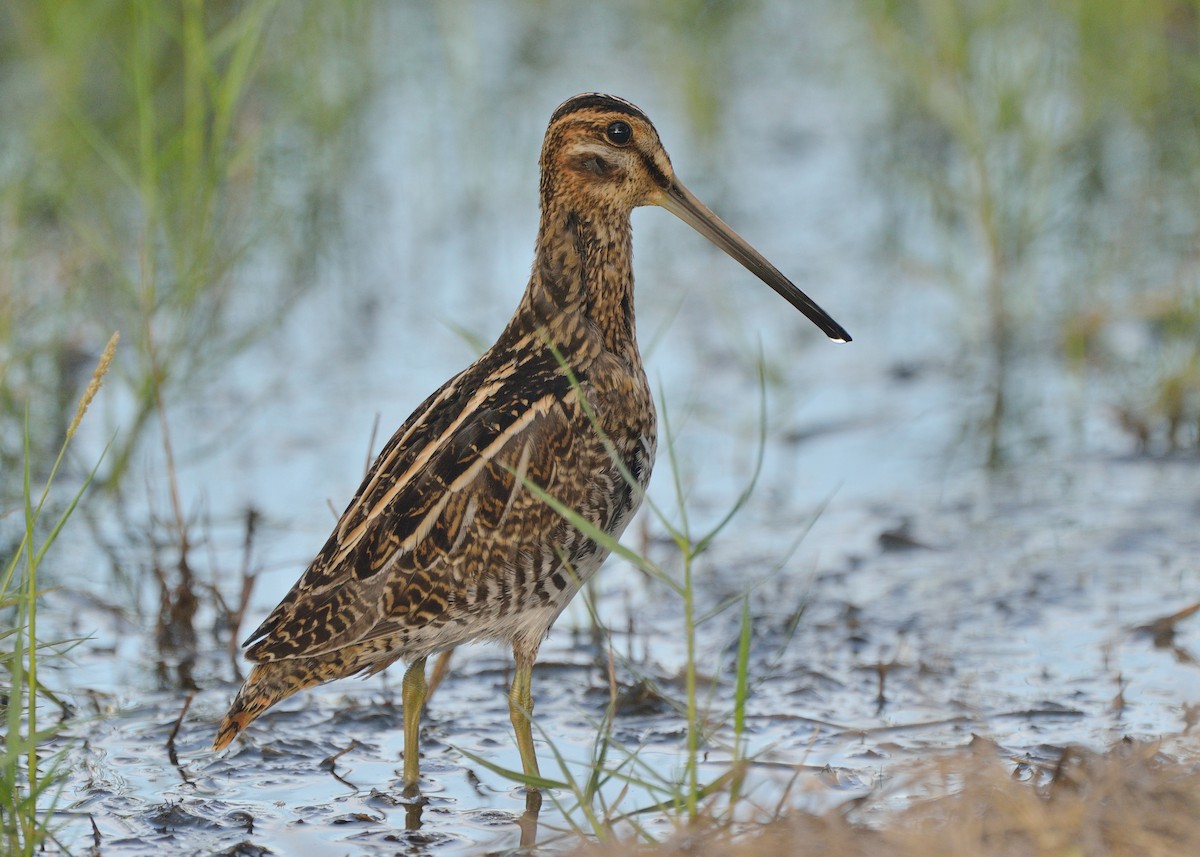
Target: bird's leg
x=412, y=694
x=441, y=667
x=520, y=707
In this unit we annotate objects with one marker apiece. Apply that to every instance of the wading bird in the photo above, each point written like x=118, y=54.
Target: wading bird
x=450, y=537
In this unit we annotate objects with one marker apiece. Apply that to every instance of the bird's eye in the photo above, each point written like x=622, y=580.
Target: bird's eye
x=619, y=133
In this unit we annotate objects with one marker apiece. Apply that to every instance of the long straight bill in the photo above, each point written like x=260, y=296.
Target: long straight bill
x=678, y=200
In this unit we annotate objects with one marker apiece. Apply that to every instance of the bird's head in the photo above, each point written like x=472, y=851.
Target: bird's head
x=602, y=158
x=602, y=152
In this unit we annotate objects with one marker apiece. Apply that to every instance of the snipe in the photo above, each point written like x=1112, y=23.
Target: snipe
x=444, y=541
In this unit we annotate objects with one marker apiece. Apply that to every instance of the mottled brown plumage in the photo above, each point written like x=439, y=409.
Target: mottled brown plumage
x=444, y=541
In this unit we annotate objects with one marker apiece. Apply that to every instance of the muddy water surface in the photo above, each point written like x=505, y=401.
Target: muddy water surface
x=1015, y=613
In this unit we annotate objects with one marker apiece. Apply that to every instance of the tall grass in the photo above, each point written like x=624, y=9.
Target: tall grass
x=29, y=783
x=141, y=196
x=1053, y=151
x=139, y=187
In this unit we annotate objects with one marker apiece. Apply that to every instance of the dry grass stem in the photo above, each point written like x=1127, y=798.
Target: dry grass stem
x=1134, y=801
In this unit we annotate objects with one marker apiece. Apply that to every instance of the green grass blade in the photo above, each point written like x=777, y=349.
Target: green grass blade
x=516, y=776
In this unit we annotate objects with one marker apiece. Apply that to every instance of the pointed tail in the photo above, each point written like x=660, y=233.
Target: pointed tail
x=268, y=683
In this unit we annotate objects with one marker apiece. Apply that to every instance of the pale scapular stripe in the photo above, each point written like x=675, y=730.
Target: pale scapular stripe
x=486, y=455
x=349, y=540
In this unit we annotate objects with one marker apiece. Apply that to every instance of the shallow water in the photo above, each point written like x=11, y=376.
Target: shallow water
x=904, y=600
x=1013, y=616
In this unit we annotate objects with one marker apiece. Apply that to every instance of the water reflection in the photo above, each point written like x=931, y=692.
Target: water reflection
x=529, y=819
x=414, y=805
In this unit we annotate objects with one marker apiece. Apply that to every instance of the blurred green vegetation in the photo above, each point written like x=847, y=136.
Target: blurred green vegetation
x=31, y=774
x=144, y=171
x=1056, y=149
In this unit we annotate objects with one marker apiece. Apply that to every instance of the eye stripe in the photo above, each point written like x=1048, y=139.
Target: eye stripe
x=659, y=177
